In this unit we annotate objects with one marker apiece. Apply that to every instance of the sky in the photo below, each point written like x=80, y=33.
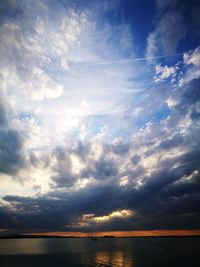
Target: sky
x=99, y=116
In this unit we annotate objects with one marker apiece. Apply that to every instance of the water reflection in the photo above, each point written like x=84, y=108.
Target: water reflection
x=114, y=259
x=156, y=252
x=21, y=247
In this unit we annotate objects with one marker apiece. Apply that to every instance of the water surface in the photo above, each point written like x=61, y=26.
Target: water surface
x=113, y=252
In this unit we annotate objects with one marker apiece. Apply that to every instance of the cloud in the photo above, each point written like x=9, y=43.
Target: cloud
x=165, y=185
x=64, y=167
x=3, y=113
x=32, y=50
x=166, y=4
x=46, y=62
x=11, y=143
x=90, y=219
x=126, y=39
x=81, y=135
x=11, y=156
x=166, y=37
x=192, y=57
x=192, y=61
x=164, y=72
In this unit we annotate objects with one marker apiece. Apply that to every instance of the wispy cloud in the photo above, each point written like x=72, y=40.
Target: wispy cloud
x=134, y=59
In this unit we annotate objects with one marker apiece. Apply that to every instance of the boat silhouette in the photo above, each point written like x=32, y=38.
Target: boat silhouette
x=94, y=238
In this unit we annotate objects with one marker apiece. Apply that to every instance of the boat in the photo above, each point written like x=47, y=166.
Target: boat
x=94, y=237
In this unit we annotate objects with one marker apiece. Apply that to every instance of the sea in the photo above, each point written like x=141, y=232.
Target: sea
x=112, y=252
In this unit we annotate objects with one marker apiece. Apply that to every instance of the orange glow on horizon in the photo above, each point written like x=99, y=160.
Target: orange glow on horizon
x=2, y=230
x=144, y=233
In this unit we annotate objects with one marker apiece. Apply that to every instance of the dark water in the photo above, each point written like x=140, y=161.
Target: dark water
x=116, y=252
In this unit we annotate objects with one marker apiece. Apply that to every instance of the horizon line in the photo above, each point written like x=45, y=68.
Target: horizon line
x=136, y=233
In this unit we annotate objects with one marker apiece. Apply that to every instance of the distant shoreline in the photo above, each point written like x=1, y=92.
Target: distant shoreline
x=100, y=237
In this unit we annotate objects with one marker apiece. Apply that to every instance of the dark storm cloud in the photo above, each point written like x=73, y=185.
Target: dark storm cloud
x=154, y=209
x=81, y=149
x=191, y=95
x=168, y=193
x=135, y=159
x=3, y=113
x=7, y=218
x=37, y=161
x=11, y=155
x=61, y=209
x=102, y=168
x=63, y=168
x=167, y=199
x=11, y=143
x=120, y=148
x=9, y=8
x=168, y=38
x=184, y=187
x=175, y=141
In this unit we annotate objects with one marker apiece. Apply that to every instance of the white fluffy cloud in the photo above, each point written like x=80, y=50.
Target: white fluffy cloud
x=192, y=57
x=32, y=49
x=164, y=72
x=192, y=61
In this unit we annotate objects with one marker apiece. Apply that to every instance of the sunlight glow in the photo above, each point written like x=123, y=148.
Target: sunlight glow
x=77, y=166
x=114, y=214
x=124, y=181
